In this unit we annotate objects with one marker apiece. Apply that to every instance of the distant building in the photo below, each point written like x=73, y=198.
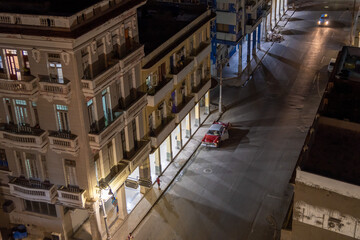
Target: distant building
x=327, y=176
x=72, y=109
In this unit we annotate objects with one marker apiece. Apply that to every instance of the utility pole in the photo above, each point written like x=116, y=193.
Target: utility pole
x=220, y=88
x=220, y=67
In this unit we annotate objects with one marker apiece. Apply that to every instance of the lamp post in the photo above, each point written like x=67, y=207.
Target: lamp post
x=103, y=186
x=220, y=66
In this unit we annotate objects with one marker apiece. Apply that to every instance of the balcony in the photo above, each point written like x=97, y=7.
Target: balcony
x=201, y=52
x=131, y=55
x=52, y=90
x=184, y=108
x=137, y=103
x=251, y=24
x=140, y=154
x=72, y=196
x=32, y=190
x=100, y=132
x=157, y=93
x=92, y=85
x=182, y=69
x=159, y=134
x=118, y=175
x=23, y=137
x=27, y=87
x=63, y=142
x=200, y=90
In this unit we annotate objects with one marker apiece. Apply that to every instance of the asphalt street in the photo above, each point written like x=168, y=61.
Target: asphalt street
x=241, y=190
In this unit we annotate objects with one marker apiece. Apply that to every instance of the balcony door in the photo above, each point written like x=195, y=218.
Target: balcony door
x=127, y=39
x=21, y=112
x=56, y=73
x=13, y=64
x=106, y=106
x=32, y=166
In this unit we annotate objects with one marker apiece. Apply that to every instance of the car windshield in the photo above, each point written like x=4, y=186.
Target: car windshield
x=332, y=64
x=213, y=132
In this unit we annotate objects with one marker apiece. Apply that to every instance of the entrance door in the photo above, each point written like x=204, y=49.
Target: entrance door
x=13, y=64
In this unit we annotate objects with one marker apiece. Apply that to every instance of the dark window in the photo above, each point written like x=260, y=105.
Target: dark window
x=40, y=207
x=3, y=160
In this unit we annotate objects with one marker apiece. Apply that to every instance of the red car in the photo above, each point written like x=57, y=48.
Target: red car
x=217, y=132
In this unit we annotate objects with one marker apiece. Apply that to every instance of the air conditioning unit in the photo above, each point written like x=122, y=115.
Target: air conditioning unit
x=55, y=236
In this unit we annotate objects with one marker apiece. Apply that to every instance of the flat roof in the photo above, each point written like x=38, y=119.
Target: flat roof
x=71, y=33
x=334, y=154
x=45, y=7
x=160, y=21
x=343, y=101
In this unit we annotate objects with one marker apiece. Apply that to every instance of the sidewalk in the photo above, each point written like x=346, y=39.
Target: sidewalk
x=145, y=205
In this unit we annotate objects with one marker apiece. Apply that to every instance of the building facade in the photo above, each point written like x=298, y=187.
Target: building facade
x=177, y=76
x=72, y=112
x=326, y=179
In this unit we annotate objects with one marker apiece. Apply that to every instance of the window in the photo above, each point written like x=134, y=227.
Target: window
x=62, y=118
x=133, y=123
x=97, y=168
x=123, y=143
x=32, y=167
x=21, y=112
x=70, y=173
x=56, y=73
x=222, y=6
x=44, y=166
x=40, y=207
x=9, y=115
x=34, y=106
x=26, y=63
x=91, y=111
x=20, y=163
x=1, y=65
x=110, y=154
x=106, y=106
x=5, y=19
x=47, y=22
x=12, y=62
x=3, y=160
x=222, y=27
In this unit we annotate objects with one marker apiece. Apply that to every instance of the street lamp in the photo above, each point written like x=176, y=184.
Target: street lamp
x=104, y=186
x=219, y=64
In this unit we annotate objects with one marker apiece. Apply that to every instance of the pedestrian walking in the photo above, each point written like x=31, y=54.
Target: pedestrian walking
x=130, y=236
x=158, y=182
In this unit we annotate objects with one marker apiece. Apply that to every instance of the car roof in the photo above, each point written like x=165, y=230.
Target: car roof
x=333, y=60
x=215, y=127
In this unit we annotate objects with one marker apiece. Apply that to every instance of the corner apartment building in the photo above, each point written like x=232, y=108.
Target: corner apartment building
x=176, y=71
x=71, y=115
x=327, y=183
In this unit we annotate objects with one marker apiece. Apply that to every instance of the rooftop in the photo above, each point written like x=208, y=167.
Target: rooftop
x=343, y=101
x=159, y=22
x=334, y=154
x=347, y=66
x=45, y=7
